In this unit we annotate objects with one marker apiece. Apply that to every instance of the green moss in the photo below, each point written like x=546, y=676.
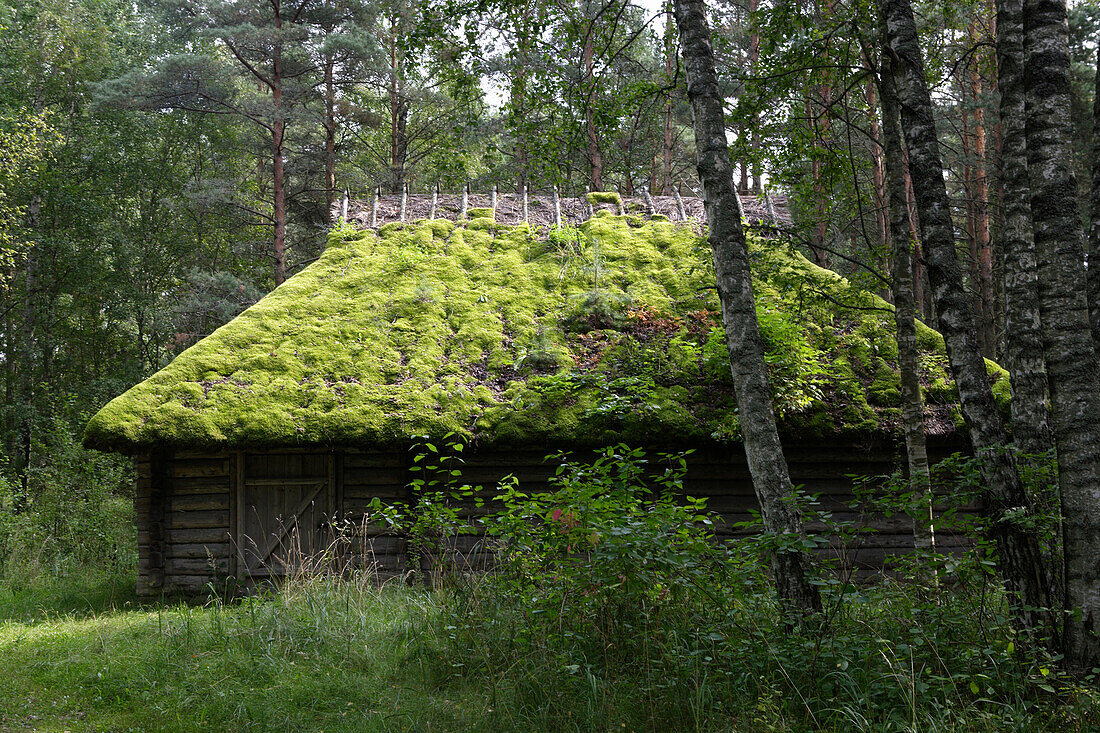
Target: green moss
x=607, y=331
x=1002, y=386
x=604, y=197
x=479, y=213
x=885, y=390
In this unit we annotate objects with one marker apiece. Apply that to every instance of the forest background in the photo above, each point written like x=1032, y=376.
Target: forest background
x=164, y=164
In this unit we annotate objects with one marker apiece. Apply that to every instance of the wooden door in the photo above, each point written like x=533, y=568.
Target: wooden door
x=285, y=504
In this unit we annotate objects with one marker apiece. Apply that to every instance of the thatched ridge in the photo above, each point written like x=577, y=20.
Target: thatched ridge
x=762, y=212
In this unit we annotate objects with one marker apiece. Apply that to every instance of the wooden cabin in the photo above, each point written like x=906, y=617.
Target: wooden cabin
x=519, y=342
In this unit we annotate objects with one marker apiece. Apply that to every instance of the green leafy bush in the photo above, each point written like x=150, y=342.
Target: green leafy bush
x=76, y=516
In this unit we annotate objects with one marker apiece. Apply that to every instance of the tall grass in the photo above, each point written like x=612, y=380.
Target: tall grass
x=331, y=653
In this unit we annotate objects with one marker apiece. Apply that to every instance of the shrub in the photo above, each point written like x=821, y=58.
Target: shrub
x=77, y=515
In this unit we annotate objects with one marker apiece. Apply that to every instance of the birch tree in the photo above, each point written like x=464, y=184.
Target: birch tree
x=790, y=562
x=1067, y=332
x=1023, y=337
x=905, y=311
x=1006, y=503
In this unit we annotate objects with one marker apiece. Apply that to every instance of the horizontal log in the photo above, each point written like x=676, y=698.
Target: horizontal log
x=148, y=563
x=197, y=536
x=200, y=485
x=200, y=502
x=356, y=498
x=370, y=476
x=174, y=566
x=199, y=550
x=187, y=584
x=384, y=546
x=188, y=454
x=284, y=481
x=382, y=564
x=374, y=460
x=194, y=468
x=198, y=520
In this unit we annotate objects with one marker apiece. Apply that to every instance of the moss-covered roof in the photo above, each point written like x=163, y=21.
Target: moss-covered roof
x=582, y=336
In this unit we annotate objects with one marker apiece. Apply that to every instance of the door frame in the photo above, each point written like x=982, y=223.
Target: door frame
x=330, y=484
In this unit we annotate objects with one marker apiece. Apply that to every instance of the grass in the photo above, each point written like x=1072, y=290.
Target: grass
x=334, y=655
x=322, y=657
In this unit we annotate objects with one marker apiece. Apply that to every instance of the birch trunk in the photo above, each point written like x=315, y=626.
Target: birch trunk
x=1023, y=330
x=1067, y=331
x=767, y=465
x=905, y=314
x=1004, y=498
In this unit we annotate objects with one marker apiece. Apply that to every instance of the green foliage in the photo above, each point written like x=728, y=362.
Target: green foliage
x=611, y=608
x=76, y=515
x=437, y=517
x=425, y=329
x=28, y=141
x=637, y=545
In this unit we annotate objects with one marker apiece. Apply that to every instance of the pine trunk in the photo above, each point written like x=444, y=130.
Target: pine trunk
x=1004, y=498
x=278, y=175
x=399, y=111
x=595, y=157
x=791, y=565
x=1063, y=309
x=982, y=240
x=1094, y=229
x=330, y=142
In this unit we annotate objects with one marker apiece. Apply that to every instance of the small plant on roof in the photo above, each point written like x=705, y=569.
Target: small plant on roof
x=598, y=308
x=604, y=197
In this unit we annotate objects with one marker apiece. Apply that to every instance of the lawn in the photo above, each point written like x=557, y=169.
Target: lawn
x=324, y=658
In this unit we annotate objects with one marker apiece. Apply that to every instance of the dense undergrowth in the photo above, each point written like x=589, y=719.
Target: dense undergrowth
x=610, y=609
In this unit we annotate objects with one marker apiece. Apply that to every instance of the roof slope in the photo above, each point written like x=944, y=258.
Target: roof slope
x=605, y=332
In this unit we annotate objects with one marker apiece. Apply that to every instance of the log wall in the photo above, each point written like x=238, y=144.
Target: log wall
x=190, y=521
